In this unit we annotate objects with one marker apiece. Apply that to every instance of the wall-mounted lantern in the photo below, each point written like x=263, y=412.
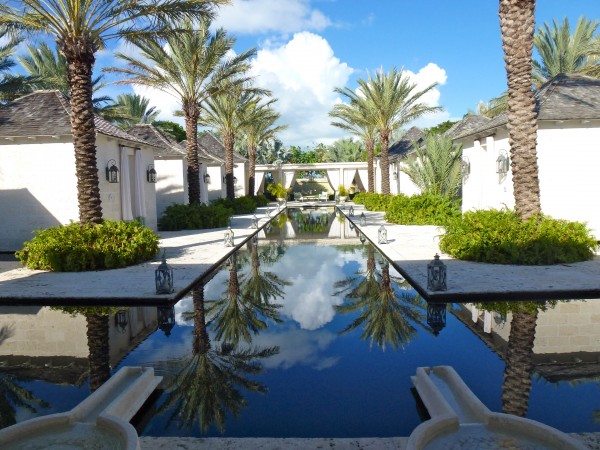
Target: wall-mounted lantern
x=382, y=235
x=165, y=318
x=351, y=226
x=351, y=211
x=206, y=178
x=112, y=172
x=395, y=175
x=225, y=179
x=228, y=238
x=502, y=163
x=121, y=320
x=465, y=167
x=163, y=277
x=436, y=274
x=363, y=220
x=362, y=238
x=151, y=174
x=436, y=317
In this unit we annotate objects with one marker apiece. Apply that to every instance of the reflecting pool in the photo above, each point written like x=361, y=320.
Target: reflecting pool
x=305, y=332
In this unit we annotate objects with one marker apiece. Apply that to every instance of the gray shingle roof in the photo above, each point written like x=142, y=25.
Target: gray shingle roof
x=565, y=97
x=404, y=145
x=213, y=147
x=467, y=124
x=46, y=113
x=167, y=147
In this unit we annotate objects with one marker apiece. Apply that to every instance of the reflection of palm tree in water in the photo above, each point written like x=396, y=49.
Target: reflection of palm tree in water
x=97, y=336
x=13, y=396
x=205, y=386
x=383, y=314
x=519, y=365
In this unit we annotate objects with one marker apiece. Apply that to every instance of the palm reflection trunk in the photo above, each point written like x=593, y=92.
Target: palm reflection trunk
x=97, y=336
x=519, y=363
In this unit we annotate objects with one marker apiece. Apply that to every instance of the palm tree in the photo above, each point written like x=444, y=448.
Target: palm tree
x=228, y=112
x=436, y=169
x=259, y=127
x=191, y=67
x=80, y=29
x=206, y=384
x=9, y=84
x=130, y=110
x=345, y=150
x=352, y=117
x=98, y=346
x=517, y=22
x=494, y=107
x=563, y=52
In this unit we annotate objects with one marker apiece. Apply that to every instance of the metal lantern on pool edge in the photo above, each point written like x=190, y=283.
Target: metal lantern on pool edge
x=228, y=238
x=165, y=316
x=436, y=317
x=362, y=238
x=163, y=277
x=121, y=320
x=382, y=235
x=351, y=211
x=363, y=220
x=255, y=221
x=436, y=275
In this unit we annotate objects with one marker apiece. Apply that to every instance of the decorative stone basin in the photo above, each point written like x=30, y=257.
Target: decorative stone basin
x=460, y=420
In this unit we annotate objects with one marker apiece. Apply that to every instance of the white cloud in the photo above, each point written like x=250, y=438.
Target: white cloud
x=426, y=76
x=302, y=74
x=271, y=16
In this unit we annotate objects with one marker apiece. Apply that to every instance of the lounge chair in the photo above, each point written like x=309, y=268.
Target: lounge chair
x=323, y=197
x=298, y=197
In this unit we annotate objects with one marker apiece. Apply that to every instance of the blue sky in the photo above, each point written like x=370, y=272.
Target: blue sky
x=308, y=47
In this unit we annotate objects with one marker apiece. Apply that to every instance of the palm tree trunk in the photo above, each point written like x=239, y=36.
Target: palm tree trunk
x=191, y=134
x=98, y=347
x=370, y=144
x=201, y=343
x=79, y=71
x=385, y=163
x=517, y=22
x=519, y=365
x=252, y=170
x=228, y=141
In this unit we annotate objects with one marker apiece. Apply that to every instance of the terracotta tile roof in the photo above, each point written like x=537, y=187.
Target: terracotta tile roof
x=46, y=113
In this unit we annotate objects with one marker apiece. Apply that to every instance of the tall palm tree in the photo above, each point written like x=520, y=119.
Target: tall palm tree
x=436, y=168
x=564, y=52
x=130, y=110
x=228, y=113
x=98, y=347
x=205, y=386
x=352, y=117
x=81, y=28
x=192, y=66
x=519, y=363
x=259, y=127
x=517, y=23
x=388, y=102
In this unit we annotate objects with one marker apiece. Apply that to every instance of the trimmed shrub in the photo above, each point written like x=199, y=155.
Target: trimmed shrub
x=422, y=209
x=76, y=247
x=261, y=200
x=373, y=201
x=501, y=237
x=194, y=217
x=239, y=205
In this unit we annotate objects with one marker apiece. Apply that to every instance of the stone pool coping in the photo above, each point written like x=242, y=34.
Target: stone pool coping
x=192, y=254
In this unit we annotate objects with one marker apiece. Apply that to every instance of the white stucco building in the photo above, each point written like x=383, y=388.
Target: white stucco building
x=38, y=184
x=568, y=144
x=398, y=153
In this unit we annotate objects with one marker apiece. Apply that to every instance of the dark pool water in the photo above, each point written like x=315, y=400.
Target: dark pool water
x=309, y=333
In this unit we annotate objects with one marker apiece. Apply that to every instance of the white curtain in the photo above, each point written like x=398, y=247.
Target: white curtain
x=126, y=213
x=335, y=231
x=474, y=313
x=289, y=230
x=139, y=207
x=333, y=176
x=363, y=174
x=348, y=177
x=289, y=176
x=487, y=322
x=258, y=179
x=203, y=185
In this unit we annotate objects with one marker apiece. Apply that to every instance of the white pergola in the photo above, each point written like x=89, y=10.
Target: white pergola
x=343, y=173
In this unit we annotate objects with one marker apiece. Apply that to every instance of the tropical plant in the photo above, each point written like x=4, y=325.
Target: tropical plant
x=194, y=216
x=342, y=191
x=352, y=117
x=494, y=107
x=422, y=209
x=10, y=85
x=387, y=102
x=192, y=66
x=81, y=28
x=436, y=168
x=517, y=24
x=345, y=150
x=130, y=110
x=258, y=127
x=172, y=129
x=278, y=190
x=561, y=51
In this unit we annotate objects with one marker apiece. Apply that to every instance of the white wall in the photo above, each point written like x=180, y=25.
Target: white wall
x=404, y=184
x=171, y=183
x=216, y=186
x=38, y=188
x=239, y=171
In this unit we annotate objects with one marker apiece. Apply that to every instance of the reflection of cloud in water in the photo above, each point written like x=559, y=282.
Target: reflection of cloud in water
x=312, y=270
x=298, y=347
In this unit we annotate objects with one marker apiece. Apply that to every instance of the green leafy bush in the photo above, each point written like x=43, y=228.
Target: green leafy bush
x=239, y=205
x=501, y=237
x=373, y=201
x=261, y=200
x=422, y=209
x=194, y=217
x=76, y=248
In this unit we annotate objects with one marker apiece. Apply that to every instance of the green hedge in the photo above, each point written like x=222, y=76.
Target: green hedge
x=194, y=217
x=239, y=205
x=422, y=209
x=501, y=237
x=76, y=248
x=372, y=201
